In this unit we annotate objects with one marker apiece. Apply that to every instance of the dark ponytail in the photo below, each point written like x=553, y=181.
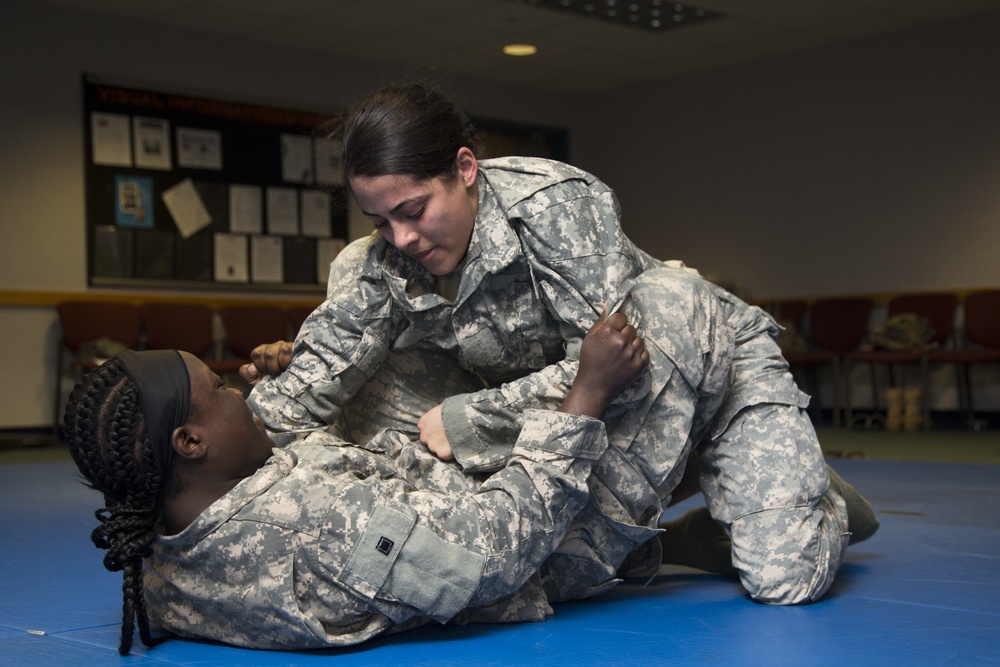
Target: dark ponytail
x=410, y=129
x=106, y=434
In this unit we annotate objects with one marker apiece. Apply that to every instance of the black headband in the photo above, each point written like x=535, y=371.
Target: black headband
x=164, y=386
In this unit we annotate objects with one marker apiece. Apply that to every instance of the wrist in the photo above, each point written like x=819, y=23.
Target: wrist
x=585, y=403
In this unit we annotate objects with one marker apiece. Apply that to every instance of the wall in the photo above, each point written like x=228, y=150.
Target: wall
x=865, y=167
x=871, y=166
x=46, y=50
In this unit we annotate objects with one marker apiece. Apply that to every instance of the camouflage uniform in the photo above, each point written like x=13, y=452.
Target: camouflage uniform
x=329, y=545
x=718, y=383
x=547, y=253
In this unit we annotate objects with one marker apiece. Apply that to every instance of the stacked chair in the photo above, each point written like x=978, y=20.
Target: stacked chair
x=296, y=316
x=248, y=326
x=939, y=312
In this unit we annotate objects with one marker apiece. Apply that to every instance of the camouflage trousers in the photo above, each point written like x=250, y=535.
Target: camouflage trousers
x=719, y=384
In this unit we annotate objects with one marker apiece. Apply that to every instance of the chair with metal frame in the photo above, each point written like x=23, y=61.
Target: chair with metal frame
x=187, y=327
x=296, y=316
x=247, y=326
x=836, y=327
x=980, y=345
x=792, y=311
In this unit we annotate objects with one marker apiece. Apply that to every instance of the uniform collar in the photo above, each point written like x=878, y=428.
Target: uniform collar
x=494, y=245
x=279, y=466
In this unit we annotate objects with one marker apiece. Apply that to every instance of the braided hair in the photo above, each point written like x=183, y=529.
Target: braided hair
x=106, y=434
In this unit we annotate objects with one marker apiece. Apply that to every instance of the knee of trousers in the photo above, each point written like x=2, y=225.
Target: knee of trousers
x=790, y=555
x=680, y=314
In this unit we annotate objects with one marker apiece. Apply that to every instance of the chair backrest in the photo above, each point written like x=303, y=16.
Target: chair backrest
x=982, y=317
x=178, y=326
x=296, y=316
x=793, y=311
x=939, y=309
x=86, y=321
x=249, y=326
x=839, y=323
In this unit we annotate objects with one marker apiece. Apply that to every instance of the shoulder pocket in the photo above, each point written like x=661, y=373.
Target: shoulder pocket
x=397, y=560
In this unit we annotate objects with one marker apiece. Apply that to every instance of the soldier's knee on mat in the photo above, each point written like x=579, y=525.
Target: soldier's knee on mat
x=790, y=555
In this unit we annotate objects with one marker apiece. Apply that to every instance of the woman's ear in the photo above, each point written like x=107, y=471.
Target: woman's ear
x=187, y=442
x=468, y=166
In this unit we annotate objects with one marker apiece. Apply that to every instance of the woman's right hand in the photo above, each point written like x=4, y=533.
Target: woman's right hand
x=269, y=359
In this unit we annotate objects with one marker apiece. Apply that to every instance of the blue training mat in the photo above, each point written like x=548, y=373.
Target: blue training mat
x=924, y=590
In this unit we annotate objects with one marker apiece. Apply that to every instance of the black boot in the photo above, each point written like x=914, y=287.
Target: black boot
x=697, y=540
x=861, y=519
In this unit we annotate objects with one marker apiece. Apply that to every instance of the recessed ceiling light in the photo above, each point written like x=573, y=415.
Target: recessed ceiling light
x=520, y=49
x=640, y=13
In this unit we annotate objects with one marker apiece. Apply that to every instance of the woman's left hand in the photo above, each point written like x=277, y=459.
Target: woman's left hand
x=432, y=434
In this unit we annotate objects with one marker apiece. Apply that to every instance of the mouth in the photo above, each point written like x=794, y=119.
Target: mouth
x=424, y=256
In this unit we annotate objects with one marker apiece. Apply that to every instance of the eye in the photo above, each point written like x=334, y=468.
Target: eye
x=415, y=216
x=379, y=223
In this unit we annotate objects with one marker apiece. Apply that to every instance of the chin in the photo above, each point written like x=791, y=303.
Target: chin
x=442, y=271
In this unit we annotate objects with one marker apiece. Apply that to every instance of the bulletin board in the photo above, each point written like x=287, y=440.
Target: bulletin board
x=194, y=192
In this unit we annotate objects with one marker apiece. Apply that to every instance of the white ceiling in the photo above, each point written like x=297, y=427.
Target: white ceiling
x=576, y=54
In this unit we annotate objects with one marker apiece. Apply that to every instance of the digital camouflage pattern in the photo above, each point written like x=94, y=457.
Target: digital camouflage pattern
x=263, y=568
x=547, y=254
x=718, y=383
x=330, y=544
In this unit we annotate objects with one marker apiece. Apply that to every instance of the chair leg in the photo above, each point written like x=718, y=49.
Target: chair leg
x=837, y=393
x=57, y=398
x=971, y=414
x=873, y=374
x=925, y=401
x=960, y=392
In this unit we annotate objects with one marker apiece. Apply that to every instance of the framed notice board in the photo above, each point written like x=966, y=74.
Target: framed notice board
x=193, y=192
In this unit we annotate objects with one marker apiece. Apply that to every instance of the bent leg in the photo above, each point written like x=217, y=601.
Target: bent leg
x=765, y=478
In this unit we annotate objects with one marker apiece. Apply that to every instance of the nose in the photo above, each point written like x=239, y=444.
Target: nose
x=404, y=235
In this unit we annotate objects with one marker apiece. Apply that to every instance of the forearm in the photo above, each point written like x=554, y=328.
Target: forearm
x=292, y=405
x=611, y=357
x=482, y=426
x=334, y=355
x=525, y=510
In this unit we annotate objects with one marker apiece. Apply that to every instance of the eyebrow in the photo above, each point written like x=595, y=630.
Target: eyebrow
x=395, y=209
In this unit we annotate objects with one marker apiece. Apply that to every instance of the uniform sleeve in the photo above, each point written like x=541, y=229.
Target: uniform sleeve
x=433, y=553
x=581, y=261
x=339, y=347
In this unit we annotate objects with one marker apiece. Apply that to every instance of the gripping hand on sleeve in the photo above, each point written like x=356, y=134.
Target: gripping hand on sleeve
x=611, y=358
x=268, y=359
